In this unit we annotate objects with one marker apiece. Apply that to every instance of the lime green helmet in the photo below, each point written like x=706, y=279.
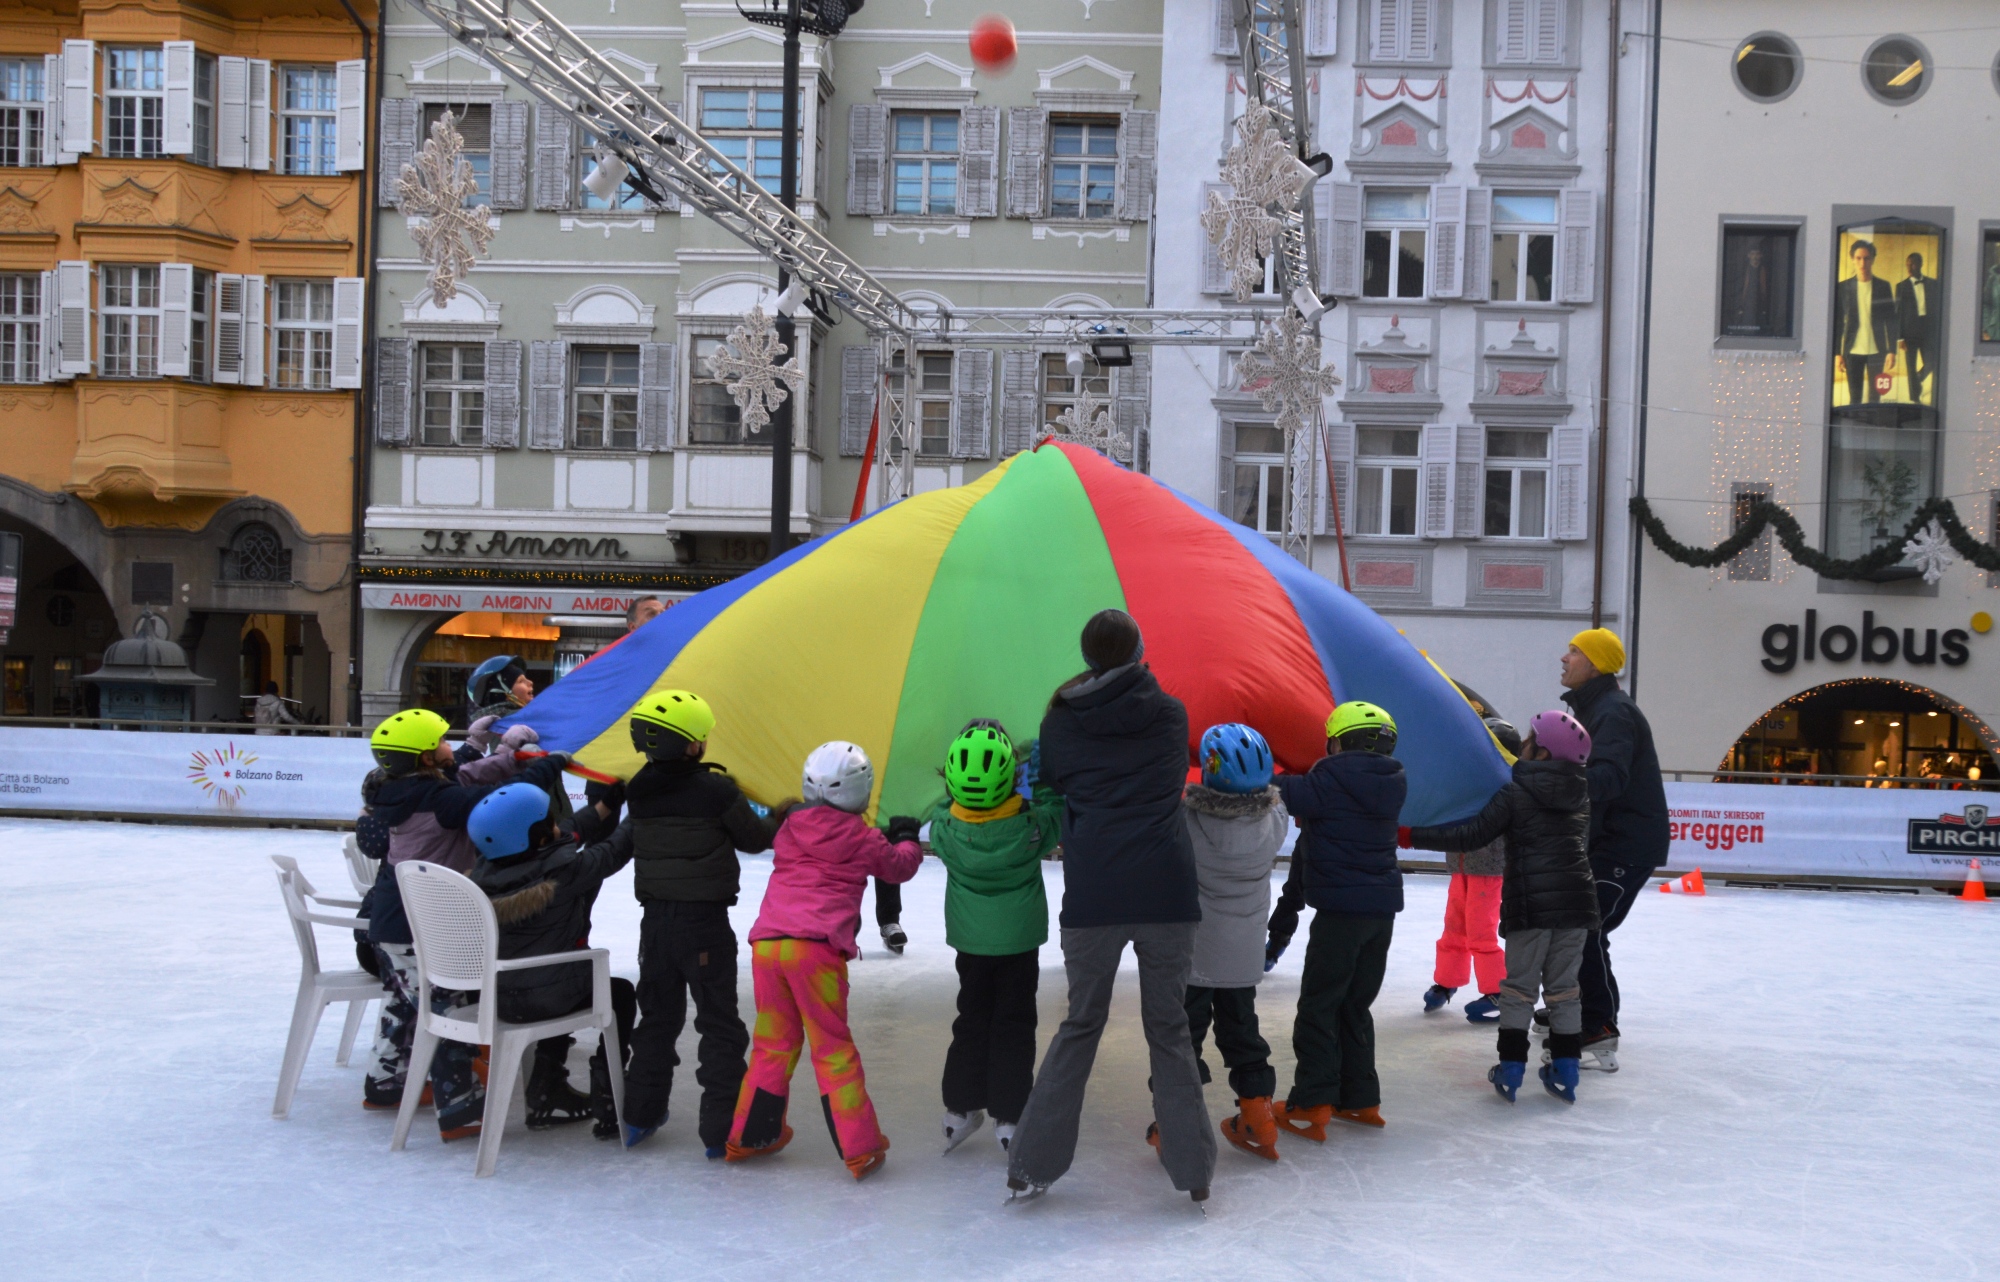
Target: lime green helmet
x=685, y=714
x=401, y=741
x=979, y=766
x=1355, y=725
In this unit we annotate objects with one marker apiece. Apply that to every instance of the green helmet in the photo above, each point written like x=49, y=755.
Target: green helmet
x=401, y=741
x=687, y=715
x=979, y=767
x=1355, y=725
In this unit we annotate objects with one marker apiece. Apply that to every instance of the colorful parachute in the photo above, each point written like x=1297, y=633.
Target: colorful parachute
x=961, y=603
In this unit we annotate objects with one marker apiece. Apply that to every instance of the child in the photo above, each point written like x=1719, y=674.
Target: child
x=1344, y=866
x=688, y=821
x=799, y=950
x=992, y=841
x=1467, y=948
x=1237, y=823
x=1549, y=903
x=543, y=888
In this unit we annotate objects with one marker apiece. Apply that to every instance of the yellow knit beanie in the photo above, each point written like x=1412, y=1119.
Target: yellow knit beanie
x=1603, y=648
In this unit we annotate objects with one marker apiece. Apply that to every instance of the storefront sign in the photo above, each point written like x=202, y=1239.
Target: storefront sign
x=505, y=600
x=1786, y=644
x=500, y=543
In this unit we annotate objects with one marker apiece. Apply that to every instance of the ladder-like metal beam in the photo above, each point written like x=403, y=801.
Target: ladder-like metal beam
x=1142, y=327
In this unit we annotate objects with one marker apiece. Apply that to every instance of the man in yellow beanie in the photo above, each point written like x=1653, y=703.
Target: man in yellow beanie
x=1628, y=819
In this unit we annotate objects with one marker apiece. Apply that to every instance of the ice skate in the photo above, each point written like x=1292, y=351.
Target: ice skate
x=1153, y=1135
x=1004, y=1132
x=1600, y=1049
x=1486, y=1010
x=735, y=1152
x=556, y=1103
x=637, y=1135
x=1370, y=1116
x=1253, y=1129
x=958, y=1127
x=1506, y=1077
x=1306, y=1123
x=893, y=938
x=1436, y=997
x=1019, y=1190
x=1559, y=1077
x=863, y=1165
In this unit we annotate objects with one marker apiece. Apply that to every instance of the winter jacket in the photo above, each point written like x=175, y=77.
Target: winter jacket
x=824, y=859
x=426, y=815
x=1545, y=816
x=1236, y=838
x=1345, y=861
x=689, y=820
x=1116, y=747
x=270, y=710
x=994, y=901
x=1628, y=799
x=1490, y=860
x=543, y=903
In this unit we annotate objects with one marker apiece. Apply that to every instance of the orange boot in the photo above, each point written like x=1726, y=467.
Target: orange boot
x=1306, y=1123
x=1370, y=1116
x=862, y=1165
x=734, y=1152
x=1253, y=1129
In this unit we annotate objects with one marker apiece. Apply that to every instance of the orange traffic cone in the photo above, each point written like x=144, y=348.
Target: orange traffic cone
x=1975, y=885
x=1667, y=886
x=1692, y=883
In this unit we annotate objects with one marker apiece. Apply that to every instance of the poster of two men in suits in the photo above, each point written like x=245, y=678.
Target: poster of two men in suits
x=1886, y=316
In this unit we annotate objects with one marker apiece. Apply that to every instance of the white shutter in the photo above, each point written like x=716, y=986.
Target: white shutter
x=400, y=118
x=1571, y=517
x=1548, y=34
x=350, y=120
x=510, y=155
x=51, y=353
x=1468, y=483
x=1440, y=444
x=1225, y=28
x=1322, y=18
x=176, y=293
x=979, y=162
x=1576, y=249
x=1511, y=42
x=228, y=328
x=257, y=71
x=52, y=101
x=1339, y=441
x=548, y=378
x=1138, y=156
x=393, y=358
x=178, y=136
x=1132, y=406
x=1020, y=419
x=349, y=295
x=656, y=396
x=232, y=113
x=503, y=393
x=79, y=95
x=1214, y=279
x=867, y=157
x=253, y=331
x=73, y=318
x=1027, y=142
x=1420, y=35
x=1340, y=252
x=555, y=139
x=857, y=398
x=1447, y=247
x=972, y=402
x=1477, y=275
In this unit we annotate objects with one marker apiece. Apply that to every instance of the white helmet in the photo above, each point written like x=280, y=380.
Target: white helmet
x=840, y=775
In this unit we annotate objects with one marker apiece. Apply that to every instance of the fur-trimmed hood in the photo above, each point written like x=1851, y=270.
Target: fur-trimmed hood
x=1228, y=805
x=524, y=903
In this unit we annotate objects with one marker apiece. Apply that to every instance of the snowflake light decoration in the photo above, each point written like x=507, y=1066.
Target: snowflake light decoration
x=1283, y=371
x=450, y=235
x=747, y=364
x=1930, y=550
x=1088, y=423
x=1261, y=172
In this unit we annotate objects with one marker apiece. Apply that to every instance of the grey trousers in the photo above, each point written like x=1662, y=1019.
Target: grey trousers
x=1045, y=1144
x=1544, y=961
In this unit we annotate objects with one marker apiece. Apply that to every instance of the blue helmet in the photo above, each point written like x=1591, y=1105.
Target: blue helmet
x=1235, y=758
x=499, y=825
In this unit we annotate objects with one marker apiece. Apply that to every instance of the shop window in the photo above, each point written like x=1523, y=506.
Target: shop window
x=129, y=320
x=1517, y=483
x=604, y=399
x=307, y=108
x=135, y=89
x=1757, y=296
x=925, y=162
x=747, y=126
x=1767, y=67
x=17, y=686
x=1395, y=227
x=66, y=699
x=474, y=122
x=302, y=335
x=1385, y=480
x=1524, y=247
x=1870, y=733
x=1083, y=167
x=1257, y=495
x=453, y=394
x=21, y=328
x=1896, y=70
x=626, y=197
x=23, y=116
x=256, y=555
x=932, y=408
x=1062, y=389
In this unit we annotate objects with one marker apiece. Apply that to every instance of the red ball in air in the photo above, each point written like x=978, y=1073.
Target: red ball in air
x=993, y=44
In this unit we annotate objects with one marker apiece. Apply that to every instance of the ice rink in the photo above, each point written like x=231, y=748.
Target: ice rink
x=1807, y=1092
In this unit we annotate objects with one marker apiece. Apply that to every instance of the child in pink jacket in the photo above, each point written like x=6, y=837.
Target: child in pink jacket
x=799, y=950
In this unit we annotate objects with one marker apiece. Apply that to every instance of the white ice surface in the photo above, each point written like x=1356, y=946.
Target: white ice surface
x=1807, y=1093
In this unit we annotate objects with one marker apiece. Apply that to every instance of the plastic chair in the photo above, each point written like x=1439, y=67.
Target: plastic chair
x=458, y=947
x=318, y=988
x=361, y=870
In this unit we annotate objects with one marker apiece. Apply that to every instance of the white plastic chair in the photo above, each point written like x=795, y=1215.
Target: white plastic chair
x=458, y=946
x=361, y=870
x=318, y=988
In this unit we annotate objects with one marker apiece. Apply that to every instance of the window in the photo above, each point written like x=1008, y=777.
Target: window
x=200, y=317
x=204, y=110
x=65, y=699
x=257, y=555
x=926, y=163
x=1402, y=30
x=605, y=399
x=302, y=330
x=713, y=418
x=626, y=197
x=1989, y=290
x=1395, y=225
x=134, y=103
x=1517, y=483
x=747, y=125
x=474, y=122
x=1385, y=480
x=1257, y=494
x=454, y=394
x=22, y=117
x=1767, y=67
x=1896, y=70
x=932, y=409
x=1757, y=289
x=1083, y=168
x=19, y=687
x=129, y=319
x=1530, y=31
x=1524, y=247
x=1061, y=389
x=307, y=110
x=21, y=329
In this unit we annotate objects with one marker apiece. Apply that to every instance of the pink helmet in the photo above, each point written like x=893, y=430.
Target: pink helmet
x=1562, y=734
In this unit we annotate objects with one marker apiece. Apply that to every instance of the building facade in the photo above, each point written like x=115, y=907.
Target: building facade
x=181, y=239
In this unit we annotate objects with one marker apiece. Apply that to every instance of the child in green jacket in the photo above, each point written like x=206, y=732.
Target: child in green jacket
x=991, y=841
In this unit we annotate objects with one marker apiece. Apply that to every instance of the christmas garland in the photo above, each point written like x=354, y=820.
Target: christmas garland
x=1766, y=514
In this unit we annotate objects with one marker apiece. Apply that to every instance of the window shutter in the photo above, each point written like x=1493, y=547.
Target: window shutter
x=1385, y=36
x=52, y=101
x=258, y=73
x=253, y=331
x=176, y=293
x=503, y=393
x=1447, y=247
x=1576, y=254
x=350, y=120
x=979, y=162
x=1322, y=19
x=1549, y=42
x=1138, y=157
x=1511, y=43
x=393, y=358
x=656, y=397
x=1468, y=483
x=1027, y=140
x=73, y=318
x=1440, y=444
x=1420, y=33
x=857, y=398
x=1339, y=441
x=349, y=293
x=1214, y=278
x=1225, y=28
x=228, y=328
x=1225, y=465
x=1477, y=274
x=1132, y=406
x=548, y=373
x=398, y=146
x=51, y=353
x=1019, y=405
x=1340, y=252
x=79, y=87
x=867, y=155
x=972, y=403
x=1571, y=447
x=554, y=157
x=510, y=155
x=232, y=113
x=178, y=135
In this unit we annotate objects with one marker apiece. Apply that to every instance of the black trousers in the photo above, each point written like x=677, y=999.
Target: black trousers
x=1861, y=372
x=1922, y=356
x=554, y=1000
x=991, y=1063
x=888, y=902
x=1618, y=885
x=1334, y=1035
x=687, y=950
x=1245, y=1053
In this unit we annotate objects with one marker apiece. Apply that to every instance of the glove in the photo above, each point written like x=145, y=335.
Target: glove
x=519, y=737
x=1403, y=839
x=480, y=733
x=562, y=759
x=900, y=829
x=1274, y=948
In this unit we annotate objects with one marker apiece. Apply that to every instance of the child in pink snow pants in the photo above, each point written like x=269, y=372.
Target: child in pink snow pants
x=799, y=949
x=1469, y=948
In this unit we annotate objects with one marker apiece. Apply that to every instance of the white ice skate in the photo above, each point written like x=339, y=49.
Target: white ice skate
x=1601, y=1055
x=958, y=1127
x=1022, y=1191
x=1004, y=1132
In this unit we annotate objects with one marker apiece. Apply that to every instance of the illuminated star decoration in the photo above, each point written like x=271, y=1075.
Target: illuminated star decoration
x=1283, y=371
x=747, y=364
x=450, y=234
x=1930, y=551
x=1088, y=423
x=1260, y=171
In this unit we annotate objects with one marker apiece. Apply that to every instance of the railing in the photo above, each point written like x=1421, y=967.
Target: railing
x=137, y=723
x=1797, y=777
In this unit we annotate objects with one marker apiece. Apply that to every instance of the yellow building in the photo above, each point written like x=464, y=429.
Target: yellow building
x=183, y=215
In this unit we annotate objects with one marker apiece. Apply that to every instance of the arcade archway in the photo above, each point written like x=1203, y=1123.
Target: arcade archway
x=1869, y=728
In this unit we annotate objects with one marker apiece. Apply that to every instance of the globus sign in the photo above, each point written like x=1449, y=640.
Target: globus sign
x=1786, y=644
